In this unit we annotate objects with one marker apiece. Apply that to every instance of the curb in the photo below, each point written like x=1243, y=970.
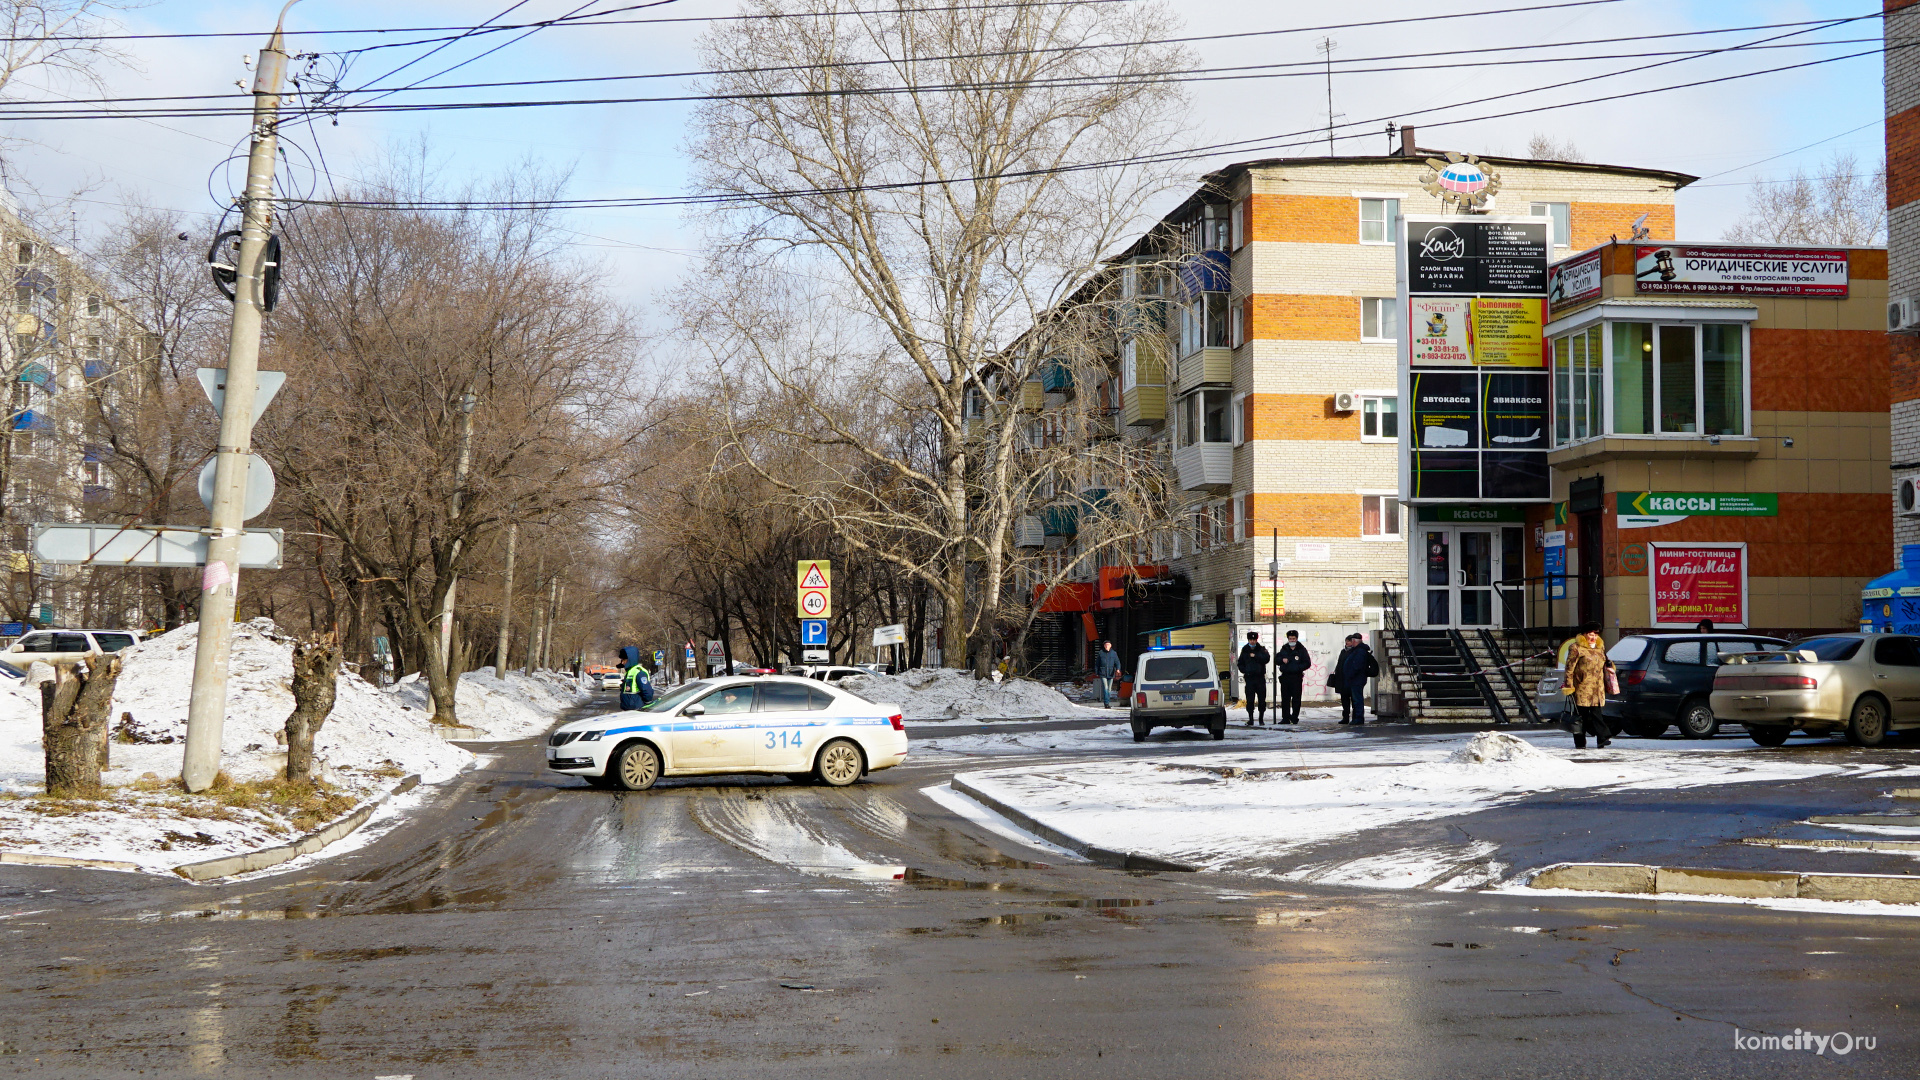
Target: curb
x=306, y=845
x=1751, y=884
x=21, y=858
x=1119, y=860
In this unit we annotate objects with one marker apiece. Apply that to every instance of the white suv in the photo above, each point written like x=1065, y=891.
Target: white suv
x=56, y=645
x=1177, y=687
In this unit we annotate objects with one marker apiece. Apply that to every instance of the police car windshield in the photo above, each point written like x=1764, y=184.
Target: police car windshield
x=679, y=694
x=1177, y=668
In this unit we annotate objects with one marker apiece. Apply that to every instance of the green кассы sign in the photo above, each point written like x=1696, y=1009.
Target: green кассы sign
x=1702, y=503
x=1471, y=515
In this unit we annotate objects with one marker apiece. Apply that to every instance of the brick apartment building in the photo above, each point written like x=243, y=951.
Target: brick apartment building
x=1902, y=28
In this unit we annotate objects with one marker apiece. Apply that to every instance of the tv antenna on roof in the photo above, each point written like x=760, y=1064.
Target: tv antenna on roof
x=1326, y=46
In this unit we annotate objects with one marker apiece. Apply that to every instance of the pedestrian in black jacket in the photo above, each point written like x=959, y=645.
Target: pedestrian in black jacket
x=1253, y=676
x=1294, y=663
x=1355, y=666
x=1106, y=666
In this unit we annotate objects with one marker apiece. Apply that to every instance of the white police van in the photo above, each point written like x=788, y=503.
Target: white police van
x=1177, y=687
x=799, y=728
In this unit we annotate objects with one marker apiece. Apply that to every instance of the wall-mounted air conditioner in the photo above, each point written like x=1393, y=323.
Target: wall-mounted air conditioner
x=1345, y=401
x=1906, y=496
x=1903, y=315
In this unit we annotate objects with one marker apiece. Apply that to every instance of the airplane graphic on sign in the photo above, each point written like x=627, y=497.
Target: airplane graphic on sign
x=816, y=588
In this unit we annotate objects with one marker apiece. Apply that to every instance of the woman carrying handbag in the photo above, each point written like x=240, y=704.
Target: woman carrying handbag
x=1590, y=678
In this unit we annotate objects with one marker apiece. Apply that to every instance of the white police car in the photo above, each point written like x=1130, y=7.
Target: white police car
x=768, y=724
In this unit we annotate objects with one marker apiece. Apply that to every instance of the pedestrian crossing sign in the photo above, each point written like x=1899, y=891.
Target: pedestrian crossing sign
x=816, y=588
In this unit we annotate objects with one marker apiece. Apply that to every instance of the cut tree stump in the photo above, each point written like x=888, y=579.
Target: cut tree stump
x=74, y=708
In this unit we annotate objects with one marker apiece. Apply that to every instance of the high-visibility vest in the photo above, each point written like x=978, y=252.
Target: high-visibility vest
x=636, y=676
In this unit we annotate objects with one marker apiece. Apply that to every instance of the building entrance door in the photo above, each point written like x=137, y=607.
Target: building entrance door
x=1459, y=575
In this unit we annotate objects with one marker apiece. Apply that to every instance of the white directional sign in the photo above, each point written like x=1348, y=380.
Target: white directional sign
x=135, y=545
x=260, y=486
x=893, y=634
x=265, y=385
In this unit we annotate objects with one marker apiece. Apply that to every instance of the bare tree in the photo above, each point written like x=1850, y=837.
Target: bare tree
x=1544, y=147
x=1843, y=205
x=918, y=191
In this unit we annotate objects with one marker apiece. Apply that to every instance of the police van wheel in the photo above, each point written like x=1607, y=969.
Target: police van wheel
x=1139, y=733
x=1218, y=728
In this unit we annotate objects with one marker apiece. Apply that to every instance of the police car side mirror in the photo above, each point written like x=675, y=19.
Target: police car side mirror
x=694, y=710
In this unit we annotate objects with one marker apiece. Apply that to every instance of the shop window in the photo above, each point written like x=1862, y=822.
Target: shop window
x=1380, y=517
x=1379, y=419
x=1379, y=319
x=1659, y=379
x=1379, y=221
x=1562, y=216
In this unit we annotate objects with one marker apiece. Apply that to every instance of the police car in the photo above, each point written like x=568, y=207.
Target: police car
x=1177, y=687
x=771, y=724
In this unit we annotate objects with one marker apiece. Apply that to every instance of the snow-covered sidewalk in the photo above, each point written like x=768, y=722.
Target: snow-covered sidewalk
x=1243, y=808
x=369, y=743
x=517, y=707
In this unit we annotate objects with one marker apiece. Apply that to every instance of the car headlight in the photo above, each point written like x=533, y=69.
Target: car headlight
x=591, y=736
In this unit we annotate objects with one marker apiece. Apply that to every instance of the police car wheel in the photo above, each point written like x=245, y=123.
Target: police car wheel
x=839, y=764
x=637, y=767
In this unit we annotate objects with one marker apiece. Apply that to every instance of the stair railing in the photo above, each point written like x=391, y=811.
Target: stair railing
x=1507, y=674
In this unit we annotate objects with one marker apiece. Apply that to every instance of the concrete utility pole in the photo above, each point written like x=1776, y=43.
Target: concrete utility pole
x=506, y=605
x=467, y=402
x=220, y=582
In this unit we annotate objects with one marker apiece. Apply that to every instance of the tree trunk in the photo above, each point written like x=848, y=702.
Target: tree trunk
x=316, y=669
x=506, y=605
x=73, y=720
x=440, y=686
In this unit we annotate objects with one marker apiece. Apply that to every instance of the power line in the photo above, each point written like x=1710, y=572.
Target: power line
x=1820, y=23
x=1223, y=74
x=1795, y=150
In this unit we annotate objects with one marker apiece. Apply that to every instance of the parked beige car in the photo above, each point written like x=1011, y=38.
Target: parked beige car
x=57, y=645
x=1863, y=684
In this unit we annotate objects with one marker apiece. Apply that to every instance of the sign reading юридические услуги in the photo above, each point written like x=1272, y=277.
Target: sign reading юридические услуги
x=1700, y=503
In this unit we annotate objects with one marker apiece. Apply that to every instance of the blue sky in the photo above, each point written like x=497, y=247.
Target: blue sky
x=1721, y=133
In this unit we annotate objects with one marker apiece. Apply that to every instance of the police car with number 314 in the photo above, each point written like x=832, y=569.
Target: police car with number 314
x=798, y=728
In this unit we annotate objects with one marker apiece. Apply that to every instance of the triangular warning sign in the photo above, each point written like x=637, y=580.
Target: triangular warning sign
x=814, y=579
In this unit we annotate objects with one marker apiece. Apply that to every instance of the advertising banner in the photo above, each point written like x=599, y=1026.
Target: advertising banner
x=1441, y=332
x=1446, y=409
x=1735, y=270
x=1477, y=256
x=1690, y=582
x=1272, y=600
x=1573, y=282
x=1514, y=411
x=1506, y=333
x=1702, y=503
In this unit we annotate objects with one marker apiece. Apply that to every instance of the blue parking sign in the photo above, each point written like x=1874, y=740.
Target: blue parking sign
x=813, y=633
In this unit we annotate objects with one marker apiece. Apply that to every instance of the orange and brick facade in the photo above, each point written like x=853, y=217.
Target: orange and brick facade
x=1902, y=30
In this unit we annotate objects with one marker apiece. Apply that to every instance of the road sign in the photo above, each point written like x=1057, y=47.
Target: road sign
x=259, y=486
x=12, y=629
x=135, y=545
x=815, y=656
x=816, y=588
x=894, y=634
x=813, y=632
x=265, y=385
x=659, y=658
x=716, y=654
x=690, y=663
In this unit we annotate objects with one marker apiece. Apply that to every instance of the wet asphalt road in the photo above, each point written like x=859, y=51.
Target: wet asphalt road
x=523, y=925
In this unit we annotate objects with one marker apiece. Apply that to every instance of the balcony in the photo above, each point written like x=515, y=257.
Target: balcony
x=1205, y=272
x=1144, y=406
x=1205, y=466
x=1056, y=377
x=1060, y=520
x=1028, y=532
x=1207, y=366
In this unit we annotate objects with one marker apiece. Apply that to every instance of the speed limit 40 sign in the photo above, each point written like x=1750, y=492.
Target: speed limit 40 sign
x=816, y=588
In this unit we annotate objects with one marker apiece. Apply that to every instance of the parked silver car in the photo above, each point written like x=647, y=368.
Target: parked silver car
x=1863, y=684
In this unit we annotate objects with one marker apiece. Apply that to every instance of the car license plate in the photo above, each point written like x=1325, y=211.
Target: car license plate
x=552, y=753
x=1176, y=697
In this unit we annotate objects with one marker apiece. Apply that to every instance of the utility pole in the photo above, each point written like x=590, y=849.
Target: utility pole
x=1327, y=46
x=506, y=605
x=467, y=402
x=220, y=582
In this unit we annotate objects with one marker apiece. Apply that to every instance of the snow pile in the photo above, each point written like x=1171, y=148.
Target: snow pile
x=1498, y=747
x=516, y=707
x=952, y=693
x=367, y=744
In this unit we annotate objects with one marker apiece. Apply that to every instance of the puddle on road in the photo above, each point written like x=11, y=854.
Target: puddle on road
x=775, y=831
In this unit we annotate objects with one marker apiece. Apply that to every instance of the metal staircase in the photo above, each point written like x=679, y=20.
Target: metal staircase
x=1455, y=677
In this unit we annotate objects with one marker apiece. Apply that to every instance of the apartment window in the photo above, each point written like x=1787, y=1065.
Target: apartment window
x=22, y=396
x=1221, y=521
x=1238, y=231
x=93, y=306
x=1242, y=413
x=1654, y=379
x=1378, y=221
x=1206, y=417
x=90, y=473
x=1246, y=517
x=1379, y=319
x=1379, y=419
x=1237, y=325
x=974, y=404
x=1203, y=528
x=23, y=254
x=1561, y=213
x=23, y=297
x=1215, y=233
x=22, y=443
x=22, y=490
x=1380, y=517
